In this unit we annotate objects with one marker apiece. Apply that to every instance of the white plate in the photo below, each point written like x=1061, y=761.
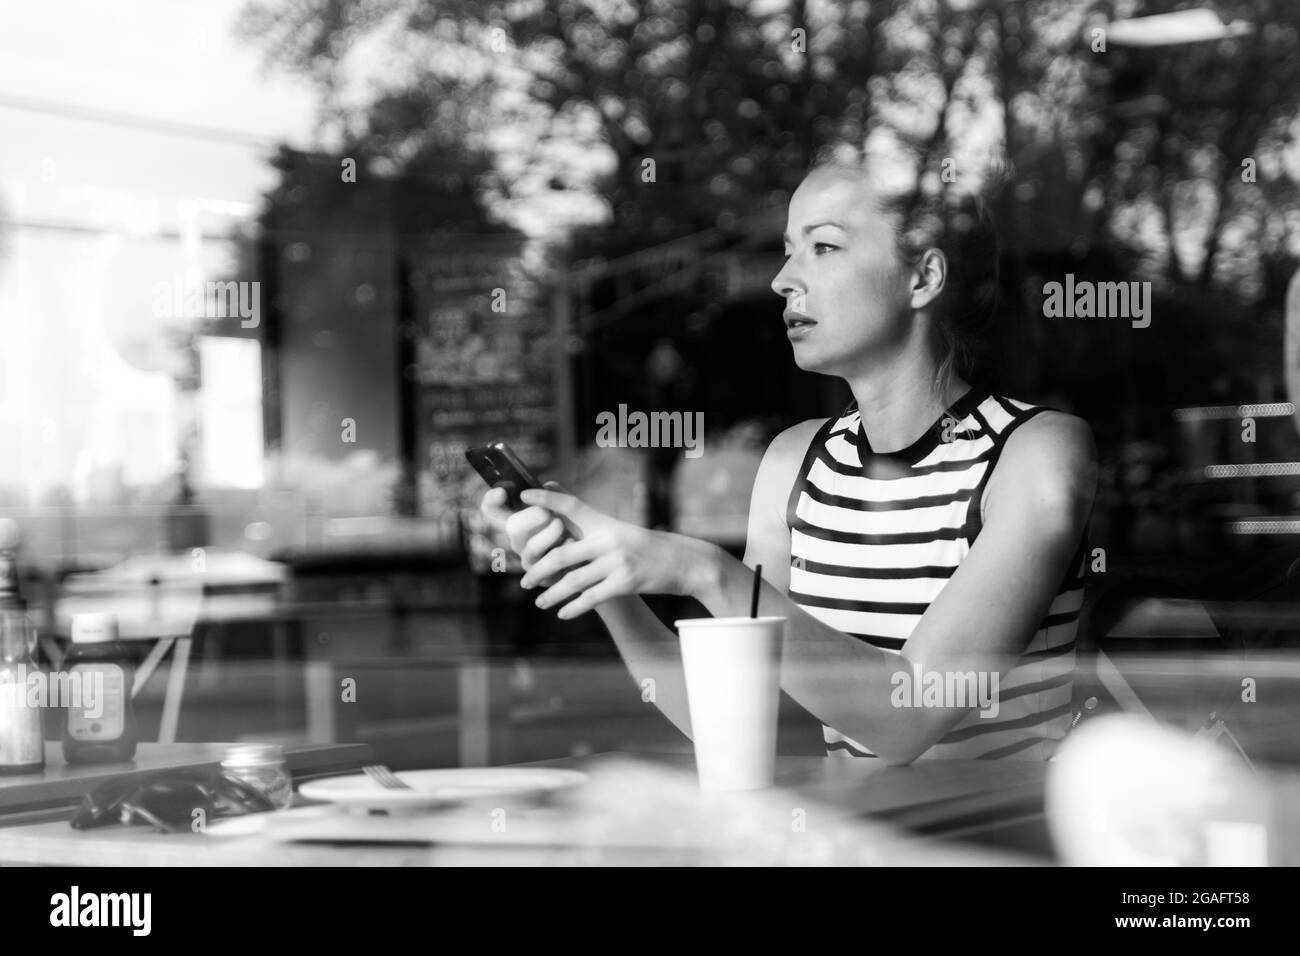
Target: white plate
x=450, y=825
x=438, y=787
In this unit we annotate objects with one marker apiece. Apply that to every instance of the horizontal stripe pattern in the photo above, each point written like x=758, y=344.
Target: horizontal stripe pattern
x=875, y=538
x=900, y=492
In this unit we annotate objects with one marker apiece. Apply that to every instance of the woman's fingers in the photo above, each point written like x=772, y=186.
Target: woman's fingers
x=522, y=525
x=542, y=542
x=560, y=502
x=496, y=508
x=594, y=595
x=578, y=517
x=577, y=580
x=560, y=559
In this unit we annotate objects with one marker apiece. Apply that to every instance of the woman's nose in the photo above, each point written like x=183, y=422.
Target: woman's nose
x=784, y=283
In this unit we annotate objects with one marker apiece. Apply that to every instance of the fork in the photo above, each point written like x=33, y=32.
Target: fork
x=386, y=778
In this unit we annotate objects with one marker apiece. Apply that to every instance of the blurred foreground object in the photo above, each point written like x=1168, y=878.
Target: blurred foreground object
x=1126, y=791
x=630, y=803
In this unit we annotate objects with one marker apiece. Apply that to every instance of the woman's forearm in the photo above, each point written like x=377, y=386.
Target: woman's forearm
x=652, y=655
x=842, y=681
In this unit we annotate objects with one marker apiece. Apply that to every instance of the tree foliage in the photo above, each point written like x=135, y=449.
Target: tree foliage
x=1173, y=164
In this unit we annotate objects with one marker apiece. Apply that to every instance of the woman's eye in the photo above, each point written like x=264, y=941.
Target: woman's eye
x=818, y=248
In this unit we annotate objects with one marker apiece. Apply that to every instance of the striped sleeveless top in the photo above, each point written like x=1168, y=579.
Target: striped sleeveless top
x=875, y=537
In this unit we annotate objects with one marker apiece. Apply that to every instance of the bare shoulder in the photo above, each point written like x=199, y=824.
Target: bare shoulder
x=780, y=465
x=785, y=451
x=790, y=445
x=1049, y=464
x=1056, y=437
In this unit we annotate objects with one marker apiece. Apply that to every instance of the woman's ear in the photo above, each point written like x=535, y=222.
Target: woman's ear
x=929, y=274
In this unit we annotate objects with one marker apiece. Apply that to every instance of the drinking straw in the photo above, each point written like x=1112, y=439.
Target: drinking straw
x=753, y=600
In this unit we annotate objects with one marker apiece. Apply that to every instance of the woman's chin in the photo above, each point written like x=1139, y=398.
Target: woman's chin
x=811, y=362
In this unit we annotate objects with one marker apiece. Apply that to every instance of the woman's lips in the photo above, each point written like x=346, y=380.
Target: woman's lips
x=797, y=324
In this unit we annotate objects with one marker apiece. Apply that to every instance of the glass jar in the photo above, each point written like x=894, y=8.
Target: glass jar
x=263, y=767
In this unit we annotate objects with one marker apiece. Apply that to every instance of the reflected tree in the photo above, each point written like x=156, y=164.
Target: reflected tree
x=1173, y=164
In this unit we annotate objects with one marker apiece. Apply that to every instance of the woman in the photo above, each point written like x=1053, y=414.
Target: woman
x=932, y=534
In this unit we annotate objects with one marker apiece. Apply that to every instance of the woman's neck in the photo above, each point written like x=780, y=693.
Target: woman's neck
x=898, y=404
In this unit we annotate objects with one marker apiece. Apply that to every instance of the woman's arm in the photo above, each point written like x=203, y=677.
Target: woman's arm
x=652, y=655
x=648, y=648
x=1037, y=506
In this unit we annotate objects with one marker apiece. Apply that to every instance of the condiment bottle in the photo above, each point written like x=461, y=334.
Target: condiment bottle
x=262, y=767
x=22, y=733
x=103, y=729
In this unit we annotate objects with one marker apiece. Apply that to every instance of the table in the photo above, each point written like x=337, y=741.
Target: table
x=61, y=786
x=853, y=806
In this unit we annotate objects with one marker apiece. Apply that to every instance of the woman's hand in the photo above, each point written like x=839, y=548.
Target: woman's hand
x=531, y=531
x=612, y=558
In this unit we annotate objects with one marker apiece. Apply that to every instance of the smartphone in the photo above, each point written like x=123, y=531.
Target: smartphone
x=498, y=465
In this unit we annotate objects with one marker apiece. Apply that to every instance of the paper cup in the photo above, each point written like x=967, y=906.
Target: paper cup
x=733, y=686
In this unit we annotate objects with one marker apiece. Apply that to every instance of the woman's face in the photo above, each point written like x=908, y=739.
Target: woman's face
x=843, y=273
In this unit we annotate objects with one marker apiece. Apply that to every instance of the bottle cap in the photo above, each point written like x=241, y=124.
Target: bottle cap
x=253, y=755
x=94, y=628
